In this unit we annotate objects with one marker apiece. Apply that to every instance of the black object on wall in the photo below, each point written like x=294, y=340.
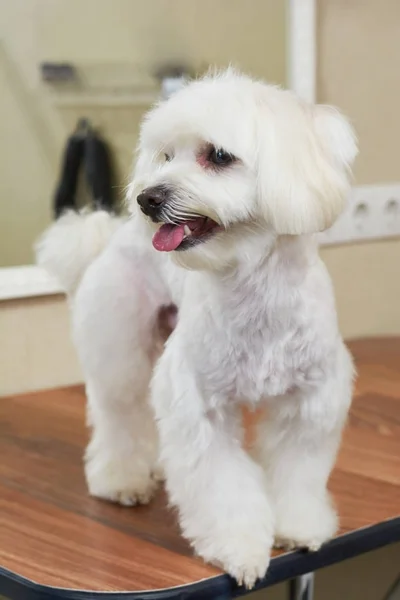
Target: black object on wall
x=85, y=148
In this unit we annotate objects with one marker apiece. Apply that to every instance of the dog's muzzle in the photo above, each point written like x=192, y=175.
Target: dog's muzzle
x=151, y=201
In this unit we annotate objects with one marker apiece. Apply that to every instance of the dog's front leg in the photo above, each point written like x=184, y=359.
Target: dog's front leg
x=297, y=443
x=218, y=489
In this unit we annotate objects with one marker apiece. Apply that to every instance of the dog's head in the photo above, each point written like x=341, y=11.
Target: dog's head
x=228, y=158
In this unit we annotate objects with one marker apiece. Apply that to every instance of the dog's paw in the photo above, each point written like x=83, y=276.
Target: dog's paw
x=296, y=544
x=244, y=555
x=119, y=482
x=304, y=523
x=247, y=569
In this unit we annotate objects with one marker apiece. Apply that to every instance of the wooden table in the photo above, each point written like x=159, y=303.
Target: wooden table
x=57, y=542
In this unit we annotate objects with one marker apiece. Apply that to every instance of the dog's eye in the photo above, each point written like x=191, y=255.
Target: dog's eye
x=167, y=157
x=220, y=157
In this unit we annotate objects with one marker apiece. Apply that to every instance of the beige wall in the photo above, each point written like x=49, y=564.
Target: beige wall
x=110, y=42
x=359, y=59
x=358, y=70
x=36, y=351
x=367, y=286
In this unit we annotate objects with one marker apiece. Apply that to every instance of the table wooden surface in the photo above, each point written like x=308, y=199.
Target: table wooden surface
x=56, y=541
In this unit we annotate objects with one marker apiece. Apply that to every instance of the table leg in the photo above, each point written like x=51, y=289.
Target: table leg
x=394, y=591
x=302, y=587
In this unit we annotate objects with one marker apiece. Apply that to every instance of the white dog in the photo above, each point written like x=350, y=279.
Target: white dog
x=232, y=180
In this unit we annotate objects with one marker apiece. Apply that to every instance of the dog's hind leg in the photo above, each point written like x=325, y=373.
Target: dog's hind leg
x=116, y=331
x=121, y=458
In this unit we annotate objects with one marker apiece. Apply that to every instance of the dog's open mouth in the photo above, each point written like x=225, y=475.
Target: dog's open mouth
x=184, y=235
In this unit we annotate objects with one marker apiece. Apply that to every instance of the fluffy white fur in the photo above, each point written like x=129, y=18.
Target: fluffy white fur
x=69, y=246
x=257, y=325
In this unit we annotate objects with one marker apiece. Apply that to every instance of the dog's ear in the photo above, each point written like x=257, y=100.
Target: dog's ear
x=304, y=169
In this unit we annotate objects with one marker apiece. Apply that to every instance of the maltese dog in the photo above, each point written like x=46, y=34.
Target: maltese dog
x=233, y=179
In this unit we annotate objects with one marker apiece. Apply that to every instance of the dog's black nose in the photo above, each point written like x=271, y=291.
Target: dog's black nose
x=151, y=199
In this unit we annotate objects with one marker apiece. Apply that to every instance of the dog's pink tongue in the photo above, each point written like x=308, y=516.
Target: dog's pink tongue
x=168, y=237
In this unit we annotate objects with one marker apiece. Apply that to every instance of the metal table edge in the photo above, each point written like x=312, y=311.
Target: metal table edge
x=222, y=587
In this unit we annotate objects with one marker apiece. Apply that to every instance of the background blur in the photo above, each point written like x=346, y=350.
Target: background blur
x=117, y=47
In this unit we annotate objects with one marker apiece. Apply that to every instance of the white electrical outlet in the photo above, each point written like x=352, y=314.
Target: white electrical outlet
x=372, y=212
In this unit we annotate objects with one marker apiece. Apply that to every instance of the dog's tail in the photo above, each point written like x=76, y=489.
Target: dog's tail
x=67, y=247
